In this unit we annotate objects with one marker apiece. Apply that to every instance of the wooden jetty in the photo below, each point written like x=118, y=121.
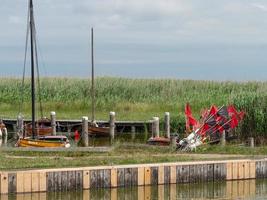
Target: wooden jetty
x=72, y=125
x=130, y=175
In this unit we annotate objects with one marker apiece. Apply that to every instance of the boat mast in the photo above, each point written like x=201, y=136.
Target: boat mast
x=32, y=68
x=93, y=75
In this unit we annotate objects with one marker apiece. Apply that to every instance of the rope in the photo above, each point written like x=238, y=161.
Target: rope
x=25, y=60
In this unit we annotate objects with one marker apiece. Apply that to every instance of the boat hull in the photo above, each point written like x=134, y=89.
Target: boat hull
x=43, y=127
x=162, y=141
x=27, y=142
x=98, y=131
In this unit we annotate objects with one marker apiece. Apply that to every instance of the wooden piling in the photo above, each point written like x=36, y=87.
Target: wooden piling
x=223, y=140
x=251, y=142
x=112, y=125
x=53, y=122
x=20, y=125
x=155, y=127
x=167, y=124
x=85, y=131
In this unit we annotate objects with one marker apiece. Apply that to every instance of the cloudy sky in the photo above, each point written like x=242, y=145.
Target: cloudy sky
x=184, y=39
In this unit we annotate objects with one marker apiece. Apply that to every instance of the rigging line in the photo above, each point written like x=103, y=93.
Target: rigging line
x=25, y=60
x=38, y=72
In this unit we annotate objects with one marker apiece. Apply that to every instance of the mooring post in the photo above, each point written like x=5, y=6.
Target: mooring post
x=112, y=125
x=155, y=127
x=85, y=131
x=5, y=135
x=53, y=122
x=20, y=125
x=223, y=140
x=133, y=132
x=167, y=124
x=251, y=142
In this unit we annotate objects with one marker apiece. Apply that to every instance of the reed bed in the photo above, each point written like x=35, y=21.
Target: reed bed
x=139, y=99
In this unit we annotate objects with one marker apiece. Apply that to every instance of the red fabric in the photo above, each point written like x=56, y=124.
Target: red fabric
x=234, y=121
x=76, y=135
x=213, y=110
x=232, y=111
x=187, y=110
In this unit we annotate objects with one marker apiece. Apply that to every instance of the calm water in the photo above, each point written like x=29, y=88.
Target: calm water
x=248, y=189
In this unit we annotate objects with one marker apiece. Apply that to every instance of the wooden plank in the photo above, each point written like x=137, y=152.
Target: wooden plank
x=127, y=177
x=42, y=181
x=64, y=181
x=35, y=182
x=20, y=182
x=12, y=183
x=4, y=183
x=167, y=174
x=86, y=179
x=241, y=166
x=27, y=176
x=235, y=171
x=79, y=179
x=50, y=182
x=210, y=172
x=141, y=176
x=106, y=180
x=113, y=174
x=57, y=181
x=258, y=169
x=182, y=173
x=219, y=171
x=161, y=175
x=246, y=170
x=100, y=178
x=71, y=180
x=173, y=174
x=229, y=169
x=252, y=169
x=154, y=175
x=120, y=177
x=147, y=176
x=134, y=176
x=93, y=179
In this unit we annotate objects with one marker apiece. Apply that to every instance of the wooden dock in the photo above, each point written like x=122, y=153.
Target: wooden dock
x=72, y=125
x=82, y=178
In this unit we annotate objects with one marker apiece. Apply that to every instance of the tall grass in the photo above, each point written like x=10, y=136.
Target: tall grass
x=140, y=99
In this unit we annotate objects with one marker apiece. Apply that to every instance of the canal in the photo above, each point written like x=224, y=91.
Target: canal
x=244, y=189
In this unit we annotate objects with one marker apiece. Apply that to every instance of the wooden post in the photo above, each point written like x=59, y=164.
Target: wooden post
x=133, y=132
x=223, y=141
x=85, y=131
x=112, y=125
x=53, y=122
x=5, y=135
x=167, y=124
x=20, y=123
x=155, y=127
x=251, y=142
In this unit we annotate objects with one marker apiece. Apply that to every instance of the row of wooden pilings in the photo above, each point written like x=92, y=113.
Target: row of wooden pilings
x=112, y=126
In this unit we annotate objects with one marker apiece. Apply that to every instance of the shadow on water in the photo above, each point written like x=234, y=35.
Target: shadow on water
x=245, y=189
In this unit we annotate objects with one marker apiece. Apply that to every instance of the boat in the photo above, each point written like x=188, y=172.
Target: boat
x=93, y=128
x=44, y=141
x=42, y=126
x=162, y=141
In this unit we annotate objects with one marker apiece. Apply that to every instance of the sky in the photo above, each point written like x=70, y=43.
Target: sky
x=180, y=39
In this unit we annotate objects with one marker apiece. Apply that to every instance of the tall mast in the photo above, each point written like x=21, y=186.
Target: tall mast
x=32, y=68
x=93, y=75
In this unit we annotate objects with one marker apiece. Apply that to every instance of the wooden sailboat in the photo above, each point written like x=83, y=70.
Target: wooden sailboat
x=93, y=128
x=42, y=127
x=36, y=140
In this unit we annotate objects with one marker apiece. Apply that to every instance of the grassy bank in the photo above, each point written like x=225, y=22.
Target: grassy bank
x=121, y=154
x=140, y=99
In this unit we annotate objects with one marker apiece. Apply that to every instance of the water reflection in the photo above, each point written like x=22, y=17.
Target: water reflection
x=246, y=189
